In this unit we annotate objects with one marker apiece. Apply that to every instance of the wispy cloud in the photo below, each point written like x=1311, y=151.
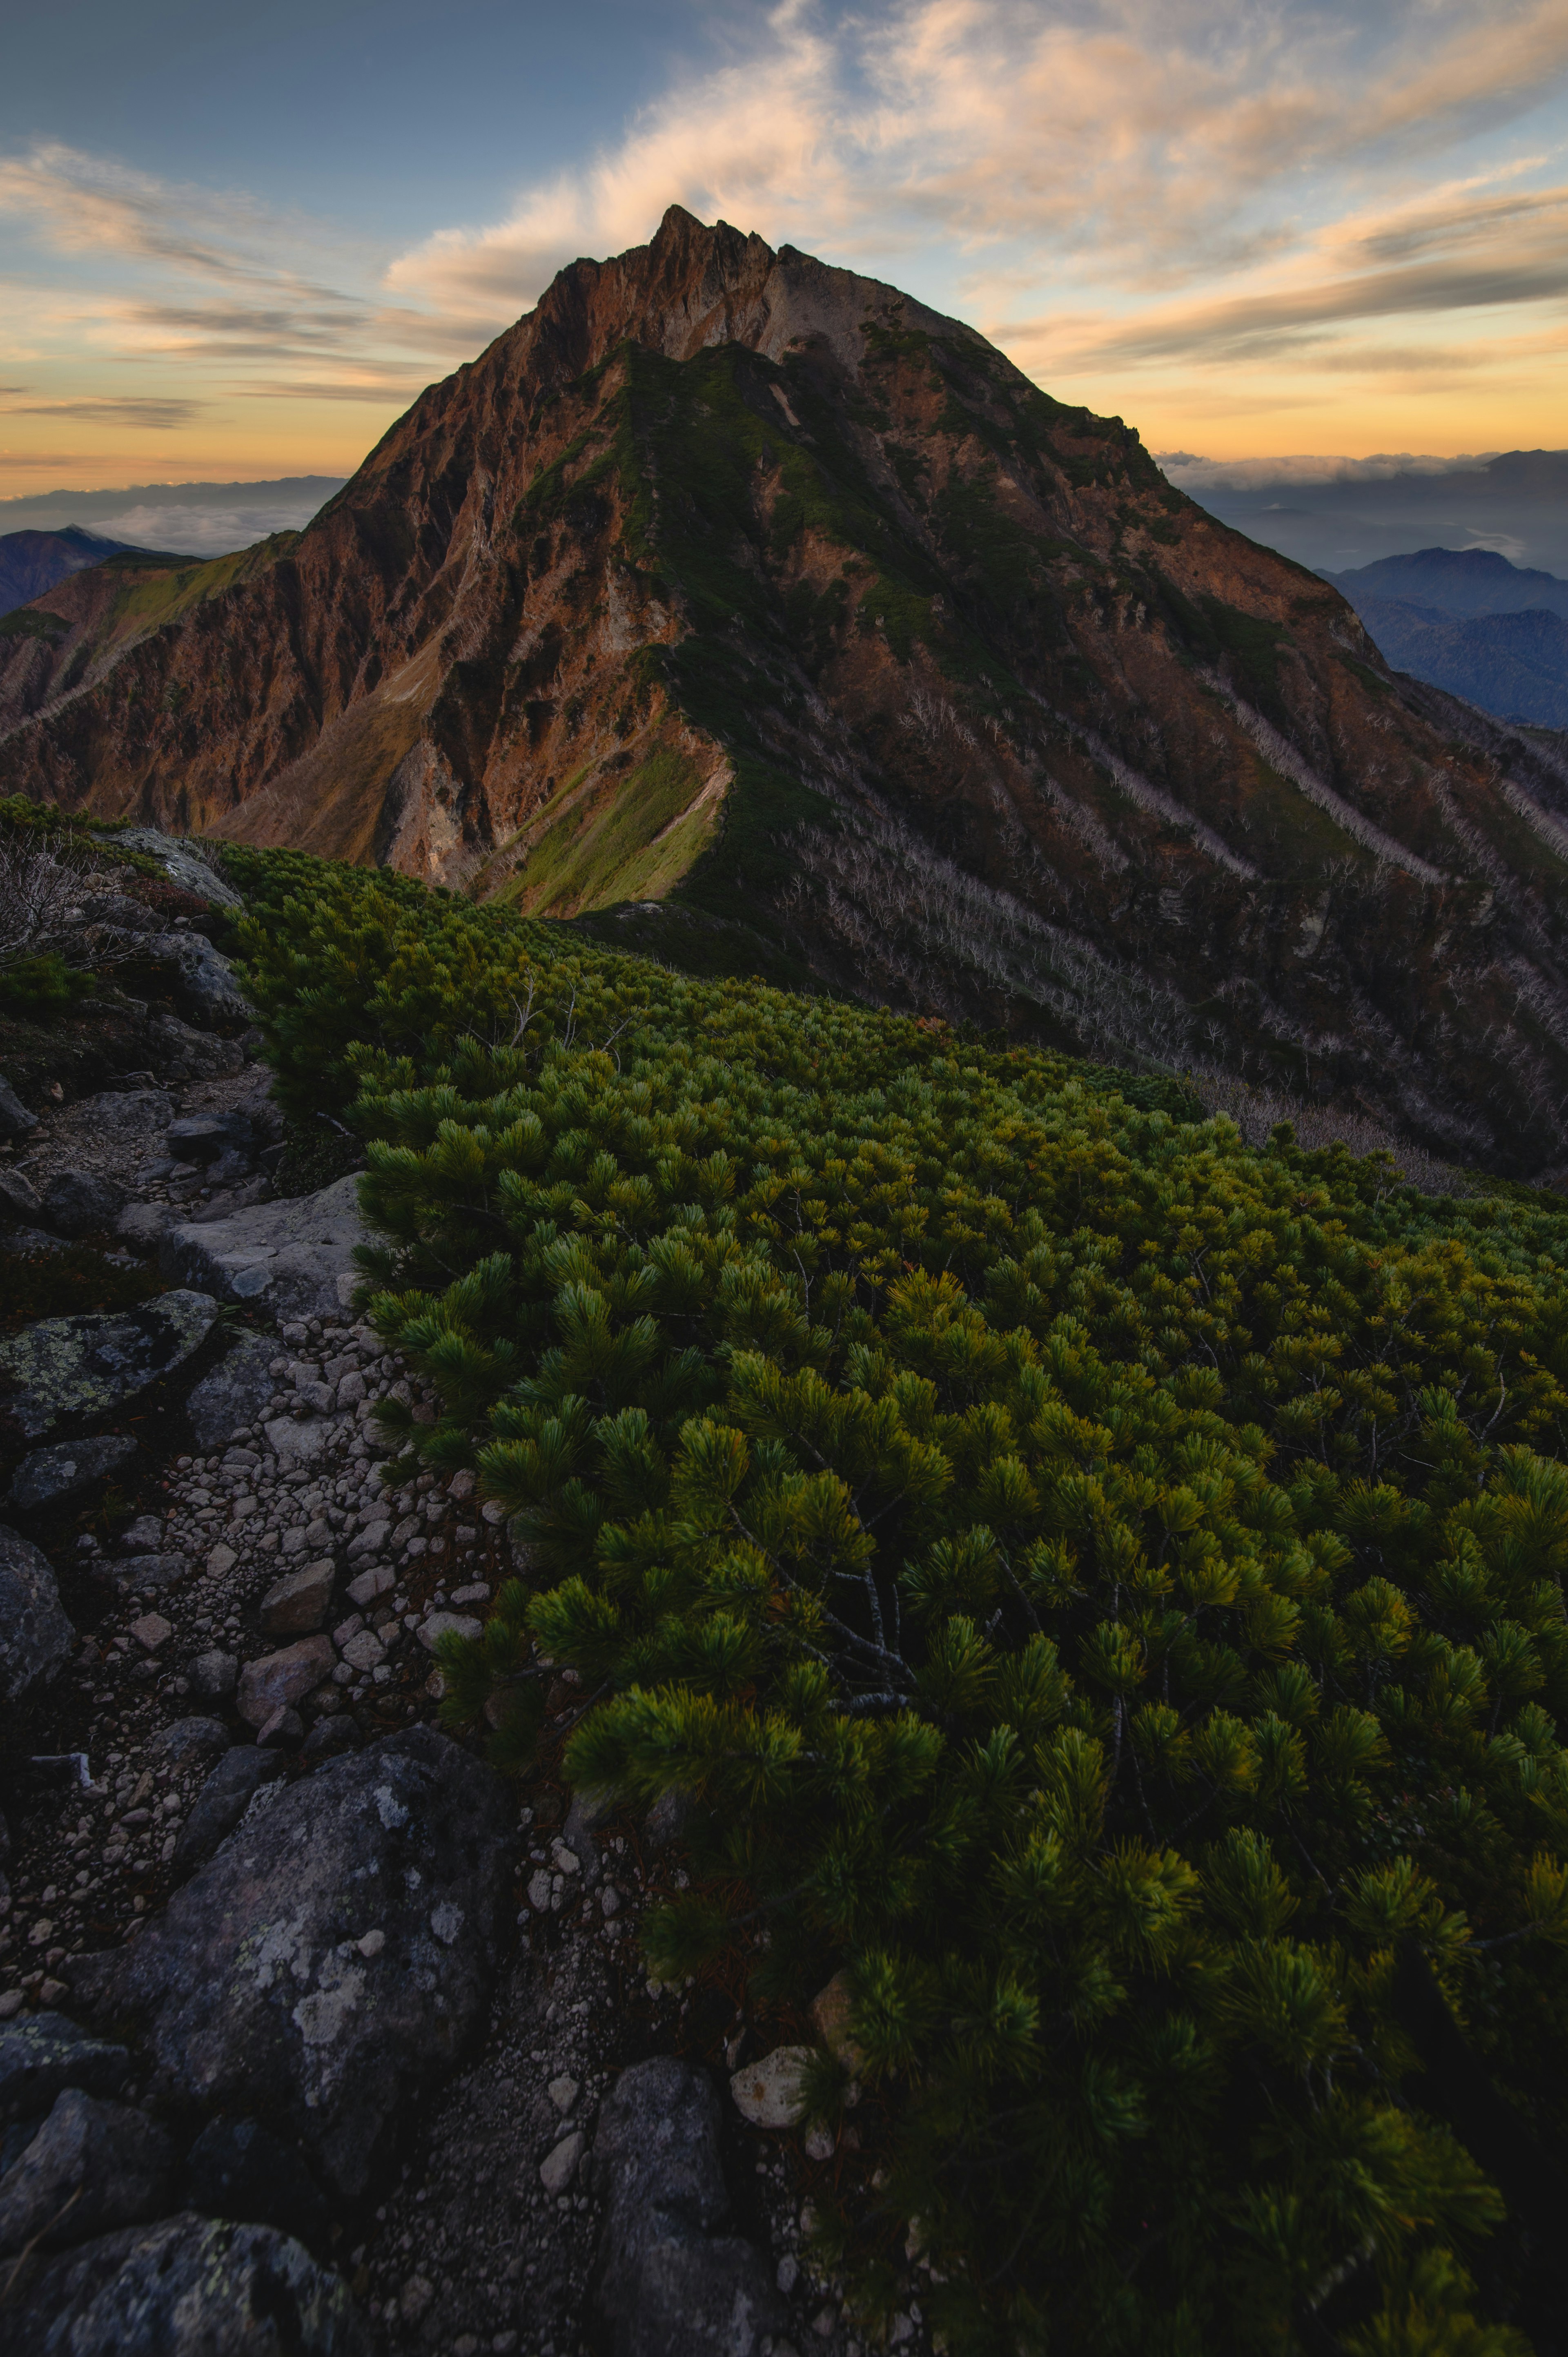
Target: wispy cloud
x=1148, y=202
x=161, y=416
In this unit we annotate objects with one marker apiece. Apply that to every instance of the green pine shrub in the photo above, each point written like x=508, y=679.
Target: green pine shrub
x=1102, y=1584
x=34, y=985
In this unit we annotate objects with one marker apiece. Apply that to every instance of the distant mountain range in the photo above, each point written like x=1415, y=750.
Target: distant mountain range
x=1351, y=512
x=745, y=612
x=193, y=519
x=1467, y=620
x=32, y=562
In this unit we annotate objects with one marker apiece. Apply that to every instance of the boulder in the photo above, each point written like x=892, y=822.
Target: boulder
x=202, y=1137
x=326, y=1968
x=236, y=2169
x=15, y=1121
x=669, y=2282
x=294, y=1259
x=36, y=1638
x=188, y=2287
x=52, y=1477
x=82, y=1202
x=436, y=1625
x=186, y=1055
x=279, y=1680
x=208, y=993
x=43, y=2055
x=20, y=1199
x=143, y=1226
x=84, y=1370
x=91, y=2167
x=299, y=1601
x=231, y=1398
x=221, y=1803
x=181, y=863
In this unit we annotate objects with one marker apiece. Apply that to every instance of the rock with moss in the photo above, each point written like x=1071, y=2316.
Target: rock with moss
x=75, y=1372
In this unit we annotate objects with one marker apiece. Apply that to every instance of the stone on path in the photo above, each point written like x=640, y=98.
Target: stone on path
x=260, y=1987
x=82, y=1202
x=279, y=1680
x=767, y=2093
x=36, y=1638
x=672, y=2283
x=188, y=2287
x=299, y=1601
x=293, y=1259
x=14, y=1119
x=52, y=1477
x=436, y=1625
x=232, y=1396
x=82, y=1370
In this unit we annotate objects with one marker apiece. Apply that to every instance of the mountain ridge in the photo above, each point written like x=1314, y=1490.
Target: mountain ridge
x=727, y=588
x=31, y=563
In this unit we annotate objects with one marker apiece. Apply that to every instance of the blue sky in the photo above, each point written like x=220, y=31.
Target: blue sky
x=234, y=242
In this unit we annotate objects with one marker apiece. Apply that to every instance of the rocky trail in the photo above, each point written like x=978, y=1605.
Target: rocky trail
x=316, y=2035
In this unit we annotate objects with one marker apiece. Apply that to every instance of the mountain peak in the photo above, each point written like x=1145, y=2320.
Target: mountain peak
x=748, y=597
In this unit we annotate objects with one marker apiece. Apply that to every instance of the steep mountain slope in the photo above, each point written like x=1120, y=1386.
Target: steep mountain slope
x=32, y=562
x=738, y=584
x=1515, y=664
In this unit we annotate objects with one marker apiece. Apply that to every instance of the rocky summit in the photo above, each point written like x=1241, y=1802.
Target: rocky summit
x=750, y=599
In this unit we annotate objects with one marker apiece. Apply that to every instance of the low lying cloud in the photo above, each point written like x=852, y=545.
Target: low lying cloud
x=185, y=529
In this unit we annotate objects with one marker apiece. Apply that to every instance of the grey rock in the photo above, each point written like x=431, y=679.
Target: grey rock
x=51, y=1477
x=221, y=1803
x=186, y=1055
x=181, y=863
x=237, y=2169
x=145, y=1574
x=82, y=1202
x=233, y=1396
x=589, y=1808
x=669, y=2282
x=668, y=1820
x=293, y=1258
x=143, y=1226
x=41, y=2056
x=208, y=993
x=20, y=1199
x=326, y=1966
x=284, y=1731
x=188, y=2287
x=189, y=1739
x=36, y=1638
x=16, y=1242
x=15, y=1121
x=142, y=1536
x=204, y=1136
x=82, y=1370
x=213, y=1674
x=91, y=2167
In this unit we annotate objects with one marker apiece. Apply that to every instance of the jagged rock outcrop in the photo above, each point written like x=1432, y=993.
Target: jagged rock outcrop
x=734, y=584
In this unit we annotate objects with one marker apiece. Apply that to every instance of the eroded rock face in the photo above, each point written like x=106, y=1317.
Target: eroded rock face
x=294, y=1259
x=36, y=1637
x=190, y=2286
x=80, y=1369
x=669, y=2280
x=326, y=1967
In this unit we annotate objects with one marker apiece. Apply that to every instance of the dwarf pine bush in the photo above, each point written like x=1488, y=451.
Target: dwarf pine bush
x=1102, y=1584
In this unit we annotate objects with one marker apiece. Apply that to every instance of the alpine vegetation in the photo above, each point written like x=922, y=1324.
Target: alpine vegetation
x=1098, y=1587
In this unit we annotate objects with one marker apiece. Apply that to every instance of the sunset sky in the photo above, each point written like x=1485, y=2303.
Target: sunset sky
x=234, y=242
